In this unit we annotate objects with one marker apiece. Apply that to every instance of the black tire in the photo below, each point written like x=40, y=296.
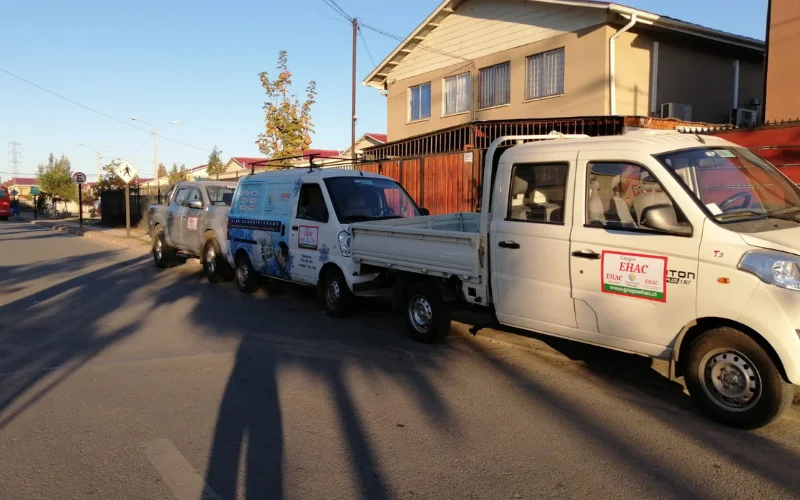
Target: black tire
x=427, y=315
x=246, y=278
x=163, y=254
x=734, y=381
x=335, y=294
x=4, y=218
x=215, y=265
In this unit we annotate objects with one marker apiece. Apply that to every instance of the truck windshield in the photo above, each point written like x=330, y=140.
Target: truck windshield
x=358, y=199
x=220, y=196
x=734, y=183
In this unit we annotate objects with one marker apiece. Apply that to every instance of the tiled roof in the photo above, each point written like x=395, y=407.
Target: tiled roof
x=377, y=137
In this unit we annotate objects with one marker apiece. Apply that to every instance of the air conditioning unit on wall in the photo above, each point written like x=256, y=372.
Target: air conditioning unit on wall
x=742, y=117
x=676, y=110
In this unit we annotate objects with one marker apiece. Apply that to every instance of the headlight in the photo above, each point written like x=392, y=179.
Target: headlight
x=344, y=243
x=775, y=268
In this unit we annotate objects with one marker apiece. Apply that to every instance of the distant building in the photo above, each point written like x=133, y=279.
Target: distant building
x=22, y=185
x=367, y=140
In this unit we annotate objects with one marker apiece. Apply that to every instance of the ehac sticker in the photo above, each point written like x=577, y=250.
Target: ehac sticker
x=635, y=275
x=191, y=223
x=308, y=237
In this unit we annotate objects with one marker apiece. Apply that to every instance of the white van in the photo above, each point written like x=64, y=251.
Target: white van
x=293, y=225
x=681, y=247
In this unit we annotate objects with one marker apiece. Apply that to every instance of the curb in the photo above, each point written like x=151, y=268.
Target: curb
x=131, y=243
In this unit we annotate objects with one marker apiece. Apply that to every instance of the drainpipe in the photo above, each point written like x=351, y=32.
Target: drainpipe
x=735, y=84
x=612, y=60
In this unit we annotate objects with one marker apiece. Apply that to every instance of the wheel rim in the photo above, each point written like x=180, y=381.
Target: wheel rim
x=211, y=259
x=333, y=293
x=420, y=313
x=159, y=249
x=730, y=380
x=243, y=274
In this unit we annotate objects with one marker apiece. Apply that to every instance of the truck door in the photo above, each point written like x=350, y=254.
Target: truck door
x=192, y=238
x=529, y=238
x=175, y=216
x=309, y=230
x=634, y=287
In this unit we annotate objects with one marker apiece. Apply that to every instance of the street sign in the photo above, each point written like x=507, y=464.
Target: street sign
x=126, y=171
x=34, y=190
x=14, y=192
x=79, y=177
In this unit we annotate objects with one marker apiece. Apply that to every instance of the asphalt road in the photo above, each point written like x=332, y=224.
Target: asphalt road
x=121, y=381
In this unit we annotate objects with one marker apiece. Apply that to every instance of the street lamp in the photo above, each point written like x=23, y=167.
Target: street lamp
x=155, y=144
x=99, y=156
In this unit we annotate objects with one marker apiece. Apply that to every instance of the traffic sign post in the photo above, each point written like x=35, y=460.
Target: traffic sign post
x=35, y=193
x=80, y=178
x=127, y=173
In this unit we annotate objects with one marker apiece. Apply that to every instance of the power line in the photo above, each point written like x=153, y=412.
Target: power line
x=364, y=40
x=123, y=122
x=333, y=5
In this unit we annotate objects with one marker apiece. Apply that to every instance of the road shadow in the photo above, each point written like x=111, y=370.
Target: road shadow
x=58, y=329
x=281, y=328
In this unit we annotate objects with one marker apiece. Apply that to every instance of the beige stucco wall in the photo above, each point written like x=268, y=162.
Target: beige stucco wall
x=585, y=90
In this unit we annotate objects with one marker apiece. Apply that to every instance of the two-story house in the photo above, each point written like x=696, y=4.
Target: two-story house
x=477, y=60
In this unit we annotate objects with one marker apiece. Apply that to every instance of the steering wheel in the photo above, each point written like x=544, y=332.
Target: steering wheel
x=744, y=196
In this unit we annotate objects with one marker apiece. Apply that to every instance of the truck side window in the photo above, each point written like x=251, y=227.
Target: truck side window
x=618, y=193
x=311, y=205
x=537, y=192
x=180, y=198
x=194, y=195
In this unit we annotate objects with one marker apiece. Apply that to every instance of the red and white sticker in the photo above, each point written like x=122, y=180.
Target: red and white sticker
x=191, y=223
x=307, y=237
x=634, y=275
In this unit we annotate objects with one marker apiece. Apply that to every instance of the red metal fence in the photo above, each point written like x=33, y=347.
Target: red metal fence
x=443, y=183
x=778, y=144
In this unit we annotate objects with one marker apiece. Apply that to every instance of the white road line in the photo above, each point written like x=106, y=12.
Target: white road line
x=177, y=472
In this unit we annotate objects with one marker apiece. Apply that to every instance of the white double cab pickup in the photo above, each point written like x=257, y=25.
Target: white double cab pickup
x=681, y=247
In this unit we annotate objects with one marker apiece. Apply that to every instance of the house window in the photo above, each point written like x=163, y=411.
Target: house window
x=495, y=85
x=544, y=74
x=420, y=100
x=457, y=94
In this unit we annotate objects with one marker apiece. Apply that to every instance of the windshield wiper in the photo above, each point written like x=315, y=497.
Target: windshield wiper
x=760, y=215
x=784, y=211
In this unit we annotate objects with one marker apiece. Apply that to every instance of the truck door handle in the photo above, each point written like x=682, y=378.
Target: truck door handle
x=509, y=244
x=294, y=228
x=283, y=230
x=586, y=254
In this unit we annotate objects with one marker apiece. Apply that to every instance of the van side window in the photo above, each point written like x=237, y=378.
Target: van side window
x=617, y=195
x=311, y=205
x=537, y=192
x=180, y=198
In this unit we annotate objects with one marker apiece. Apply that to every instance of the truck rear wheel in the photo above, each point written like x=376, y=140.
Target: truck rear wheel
x=335, y=294
x=163, y=254
x=734, y=380
x=215, y=266
x=427, y=315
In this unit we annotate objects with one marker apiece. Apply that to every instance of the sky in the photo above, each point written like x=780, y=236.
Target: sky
x=198, y=62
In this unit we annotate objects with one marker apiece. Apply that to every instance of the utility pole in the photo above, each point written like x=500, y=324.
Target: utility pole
x=155, y=157
x=353, y=114
x=99, y=168
x=14, y=158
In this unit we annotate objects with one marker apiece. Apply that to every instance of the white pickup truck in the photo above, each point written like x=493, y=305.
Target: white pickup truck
x=681, y=247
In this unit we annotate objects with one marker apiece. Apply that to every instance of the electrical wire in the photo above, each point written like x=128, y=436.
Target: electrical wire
x=123, y=122
x=364, y=40
x=333, y=5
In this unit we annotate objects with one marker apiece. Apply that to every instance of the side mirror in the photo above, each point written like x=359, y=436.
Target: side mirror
x=662, y=218
x=196, y=204
x=425, y=211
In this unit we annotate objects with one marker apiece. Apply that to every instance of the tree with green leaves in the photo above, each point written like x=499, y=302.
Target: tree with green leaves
x=177, y=174
x=108, y=179
x=162, y=171
x=287, y=120
x=215, y=165
x=55, y=180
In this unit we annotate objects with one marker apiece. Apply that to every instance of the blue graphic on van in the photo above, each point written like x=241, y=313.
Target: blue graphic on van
x=297, y=185
x=276, y=260
x=324, y=253
x=259, y=225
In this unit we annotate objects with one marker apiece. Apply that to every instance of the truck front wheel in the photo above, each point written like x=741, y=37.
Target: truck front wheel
x=427, y=315
x=215, y=266
x=734, y=380
x=335, y=294
x=246, y=278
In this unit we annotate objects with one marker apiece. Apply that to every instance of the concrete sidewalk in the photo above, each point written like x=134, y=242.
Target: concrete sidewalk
x=138, y=240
